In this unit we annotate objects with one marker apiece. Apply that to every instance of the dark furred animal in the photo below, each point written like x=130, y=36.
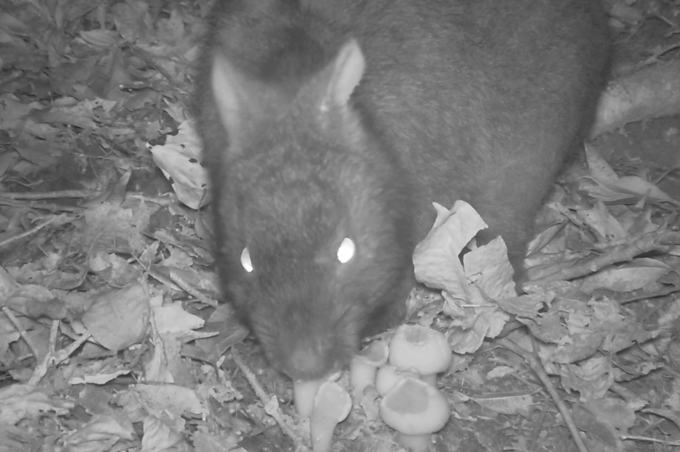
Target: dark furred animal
x=326, y=120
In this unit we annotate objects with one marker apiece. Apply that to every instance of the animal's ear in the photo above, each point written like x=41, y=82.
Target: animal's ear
x=346, y=72
x=229, y=94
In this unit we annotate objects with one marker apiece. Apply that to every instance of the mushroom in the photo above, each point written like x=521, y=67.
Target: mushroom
x=331, y=406
x=420, y=348
x=365, y=364
x=303, y=395
x=388, y=376
x=415, y=410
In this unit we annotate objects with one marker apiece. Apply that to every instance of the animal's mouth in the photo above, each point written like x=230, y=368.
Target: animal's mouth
x=312, y=358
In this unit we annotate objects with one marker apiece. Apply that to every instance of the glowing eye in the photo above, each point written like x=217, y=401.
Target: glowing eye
x=245, y=260
x=346, y=250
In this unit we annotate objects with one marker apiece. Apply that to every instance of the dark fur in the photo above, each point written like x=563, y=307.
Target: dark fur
x=479, y=100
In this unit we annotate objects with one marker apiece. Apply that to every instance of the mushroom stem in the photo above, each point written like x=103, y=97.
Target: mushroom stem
x=362, y=374
x=304, y=393
x=414, y=443
x=365, y=364
x=323, y=436
x=331, y=406
x=430, y=379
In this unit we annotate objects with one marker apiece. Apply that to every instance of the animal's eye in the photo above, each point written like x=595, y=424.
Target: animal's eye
x=246, y=263
x=346, y=250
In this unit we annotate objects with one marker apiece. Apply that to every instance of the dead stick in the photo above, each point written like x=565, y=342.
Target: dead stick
x=266, y=400
x=536, y=366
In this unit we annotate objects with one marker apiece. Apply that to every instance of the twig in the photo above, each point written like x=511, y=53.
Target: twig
x=636, y=295
x=22, y=332
x=52, y=356
x=63, y=354
x=266, y=399
x=174, y=278
x=650, y=440
x=633, y=400
x=536, y=431
x=8, y=198
x=53, y=194
x=57, y=220
x=536, y=366
x=44, y=364
x=655, y=241
x=51, y=207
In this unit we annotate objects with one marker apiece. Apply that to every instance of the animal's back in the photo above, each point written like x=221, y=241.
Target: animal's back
x=502, y=91
x=479, y=100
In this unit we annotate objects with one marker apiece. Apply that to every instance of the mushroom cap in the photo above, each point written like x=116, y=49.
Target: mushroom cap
x=388, y=376
x=333, y=401
x=375, y=353
x=365, y=363
x=420, y=348
x=414, y=407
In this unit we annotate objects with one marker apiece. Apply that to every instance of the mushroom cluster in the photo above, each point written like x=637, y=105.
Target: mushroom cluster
x=411, y=404
x=404, y=374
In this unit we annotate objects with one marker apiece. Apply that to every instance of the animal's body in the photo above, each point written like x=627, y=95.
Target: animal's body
x=326, y=120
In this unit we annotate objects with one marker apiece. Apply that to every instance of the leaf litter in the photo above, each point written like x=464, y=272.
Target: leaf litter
x=111, y=334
